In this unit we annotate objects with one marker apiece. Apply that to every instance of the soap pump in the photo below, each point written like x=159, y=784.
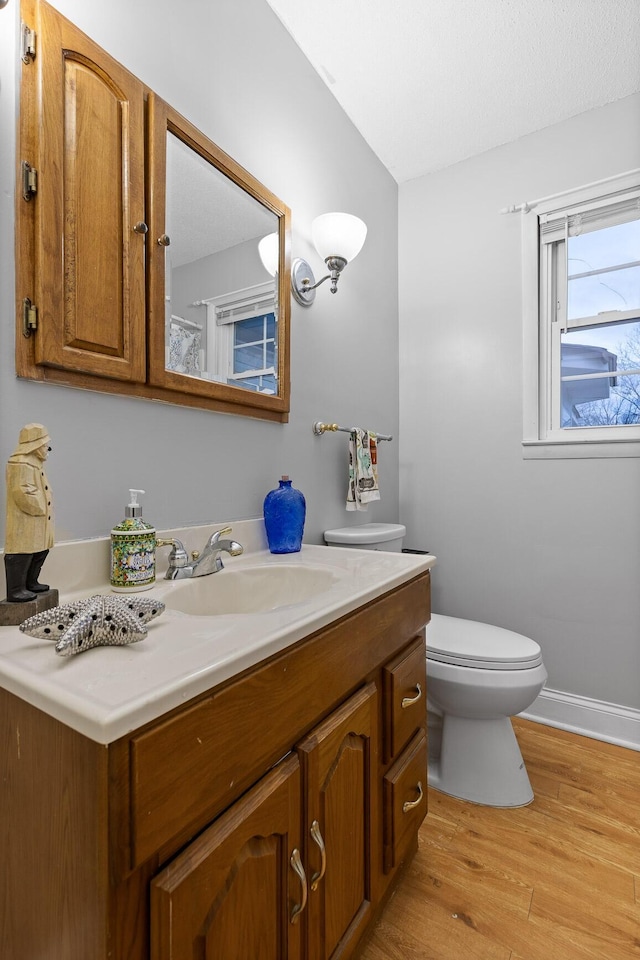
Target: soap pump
x=133, y=550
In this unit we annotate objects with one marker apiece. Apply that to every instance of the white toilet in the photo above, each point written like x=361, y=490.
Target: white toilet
x=478, y=677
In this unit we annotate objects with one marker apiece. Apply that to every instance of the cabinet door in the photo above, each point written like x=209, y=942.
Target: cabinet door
x=90, y=271
x=339, y=761
x=232, y=892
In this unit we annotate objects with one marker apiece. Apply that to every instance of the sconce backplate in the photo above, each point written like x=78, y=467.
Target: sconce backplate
x=301, y=271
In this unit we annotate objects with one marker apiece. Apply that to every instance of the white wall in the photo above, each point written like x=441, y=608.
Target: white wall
x=550, y=549
x=233, y=70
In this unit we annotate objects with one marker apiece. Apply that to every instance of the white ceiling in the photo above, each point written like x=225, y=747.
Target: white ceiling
x=431, y=82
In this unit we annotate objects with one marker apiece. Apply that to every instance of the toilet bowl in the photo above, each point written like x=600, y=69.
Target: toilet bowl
x=478, y=677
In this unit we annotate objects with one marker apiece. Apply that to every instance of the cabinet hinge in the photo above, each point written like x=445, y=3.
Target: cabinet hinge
x=28, y=44
x=29, y=180
x=29, y=317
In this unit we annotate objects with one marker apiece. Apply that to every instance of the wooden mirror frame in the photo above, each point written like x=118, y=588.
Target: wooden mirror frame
x=119, y=354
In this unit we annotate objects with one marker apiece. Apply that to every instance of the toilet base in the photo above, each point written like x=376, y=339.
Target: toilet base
x=480, y=761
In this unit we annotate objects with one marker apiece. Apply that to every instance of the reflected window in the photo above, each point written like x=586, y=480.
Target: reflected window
x=254, y=359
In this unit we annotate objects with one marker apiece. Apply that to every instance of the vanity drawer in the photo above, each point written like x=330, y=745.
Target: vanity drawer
x=404, y=686
x=405, y=800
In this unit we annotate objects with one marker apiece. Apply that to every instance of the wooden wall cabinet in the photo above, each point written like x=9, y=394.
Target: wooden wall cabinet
x=260, y=820
x=89, y=271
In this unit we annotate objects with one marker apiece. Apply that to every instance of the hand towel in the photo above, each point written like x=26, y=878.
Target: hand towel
x=363, y=470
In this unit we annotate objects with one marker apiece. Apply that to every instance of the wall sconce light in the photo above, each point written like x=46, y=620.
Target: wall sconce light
x=338, y=238
x=269, y=250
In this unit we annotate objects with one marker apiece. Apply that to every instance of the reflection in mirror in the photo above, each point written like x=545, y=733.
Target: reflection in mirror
x=221, y=304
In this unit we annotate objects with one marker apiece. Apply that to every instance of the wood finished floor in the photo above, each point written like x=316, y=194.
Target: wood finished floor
x=556, y=880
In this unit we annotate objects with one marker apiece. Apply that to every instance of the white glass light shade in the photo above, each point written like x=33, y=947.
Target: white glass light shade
x=338, y=235
x=269, y=250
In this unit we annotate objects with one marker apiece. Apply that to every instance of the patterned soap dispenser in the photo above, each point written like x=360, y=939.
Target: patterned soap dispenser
x=133, y=550
x=284, y=514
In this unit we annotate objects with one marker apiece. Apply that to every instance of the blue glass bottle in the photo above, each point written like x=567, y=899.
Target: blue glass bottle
x=284, y=513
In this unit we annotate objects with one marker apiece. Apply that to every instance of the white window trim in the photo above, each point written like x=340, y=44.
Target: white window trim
x=224, y=310
x=536, y=444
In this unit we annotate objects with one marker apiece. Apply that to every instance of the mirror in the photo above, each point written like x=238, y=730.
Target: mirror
x=218, y=319
x=220, y=301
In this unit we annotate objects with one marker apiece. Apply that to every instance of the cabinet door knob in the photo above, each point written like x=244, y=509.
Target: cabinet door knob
x=296, y=863
x=140, y=227
x=408, y=701
x=164, y=240
x=317, y=836
x=410, y=804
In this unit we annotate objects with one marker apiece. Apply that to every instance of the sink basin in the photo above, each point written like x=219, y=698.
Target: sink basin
x=250, y=590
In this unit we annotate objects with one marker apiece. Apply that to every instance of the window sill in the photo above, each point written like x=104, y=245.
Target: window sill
x=579, y=450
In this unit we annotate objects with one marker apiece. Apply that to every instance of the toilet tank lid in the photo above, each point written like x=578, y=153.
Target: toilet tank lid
x=366, y=533
x=455, y=640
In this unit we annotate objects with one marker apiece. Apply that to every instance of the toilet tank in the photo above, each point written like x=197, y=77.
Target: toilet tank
x=368, y=536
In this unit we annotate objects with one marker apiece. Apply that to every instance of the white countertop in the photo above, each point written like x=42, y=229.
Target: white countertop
x=107, y=692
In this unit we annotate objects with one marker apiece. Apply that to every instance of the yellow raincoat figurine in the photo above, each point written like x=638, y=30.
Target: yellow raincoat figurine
x=29, y=530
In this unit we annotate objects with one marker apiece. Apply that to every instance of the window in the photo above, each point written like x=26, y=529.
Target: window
x=582, y=321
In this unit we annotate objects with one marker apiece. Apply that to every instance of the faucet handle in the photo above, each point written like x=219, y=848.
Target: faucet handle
x=178, y=556
x=219, y=533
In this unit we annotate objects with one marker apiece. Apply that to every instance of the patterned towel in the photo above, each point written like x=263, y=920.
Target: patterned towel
x=184, y=351
x=363, y=470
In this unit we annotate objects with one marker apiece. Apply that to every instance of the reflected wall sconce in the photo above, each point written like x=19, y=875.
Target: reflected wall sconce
x=269, y=251
x=338, y=238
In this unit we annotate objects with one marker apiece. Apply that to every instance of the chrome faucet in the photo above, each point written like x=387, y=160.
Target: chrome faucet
x=209, y=561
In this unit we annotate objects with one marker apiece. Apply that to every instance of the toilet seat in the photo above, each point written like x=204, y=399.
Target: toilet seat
x=468, y=643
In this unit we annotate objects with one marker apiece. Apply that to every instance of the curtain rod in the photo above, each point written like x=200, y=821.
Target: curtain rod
x=181, y=321
x=530, y=204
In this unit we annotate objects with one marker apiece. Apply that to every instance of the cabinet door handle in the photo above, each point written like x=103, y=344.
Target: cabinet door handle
x=164, y=240
x=317, y=836
x=140, y=227
x=296, y=863
x=410, y=804
x=408, y=701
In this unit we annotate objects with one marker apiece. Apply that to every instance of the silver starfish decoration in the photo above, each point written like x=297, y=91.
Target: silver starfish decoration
x=97, y=621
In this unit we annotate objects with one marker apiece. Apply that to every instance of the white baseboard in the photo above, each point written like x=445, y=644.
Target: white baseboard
x=590, y=718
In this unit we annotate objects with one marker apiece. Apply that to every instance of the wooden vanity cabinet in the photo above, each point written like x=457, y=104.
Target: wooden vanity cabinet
x=249, y=887
x=207, y=832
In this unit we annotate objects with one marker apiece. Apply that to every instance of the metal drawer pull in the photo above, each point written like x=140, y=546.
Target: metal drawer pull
x=317, y=836
x=296, y=863
x=408, y=701
x=140, y=227
x=410, y=804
